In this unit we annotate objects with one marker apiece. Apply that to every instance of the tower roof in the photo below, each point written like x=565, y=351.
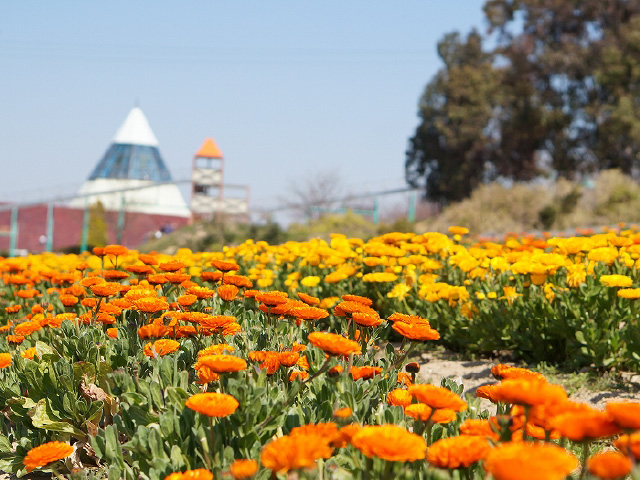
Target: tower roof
x=133, y=154
x=209, y=149
x=136, y=130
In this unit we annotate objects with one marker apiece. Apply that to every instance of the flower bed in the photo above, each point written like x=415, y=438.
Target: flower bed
x=262, y=360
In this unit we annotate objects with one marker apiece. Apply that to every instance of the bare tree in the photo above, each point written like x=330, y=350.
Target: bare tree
x=314, y=195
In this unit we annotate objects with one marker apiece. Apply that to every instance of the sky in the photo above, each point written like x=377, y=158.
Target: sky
x=288, y=90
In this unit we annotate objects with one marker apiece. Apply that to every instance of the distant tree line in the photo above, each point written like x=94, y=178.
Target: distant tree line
x=552, y=88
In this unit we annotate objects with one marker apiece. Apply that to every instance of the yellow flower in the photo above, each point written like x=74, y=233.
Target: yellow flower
x=310, y=281
x=616, y=281
x=510, y=294
x=400, y=290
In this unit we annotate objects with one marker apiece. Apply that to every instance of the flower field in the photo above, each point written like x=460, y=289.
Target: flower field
x=294, y=360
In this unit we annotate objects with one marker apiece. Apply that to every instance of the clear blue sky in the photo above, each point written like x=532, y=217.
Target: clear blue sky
x=286, y=88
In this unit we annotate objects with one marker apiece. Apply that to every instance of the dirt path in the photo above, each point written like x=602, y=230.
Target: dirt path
x=582, y=387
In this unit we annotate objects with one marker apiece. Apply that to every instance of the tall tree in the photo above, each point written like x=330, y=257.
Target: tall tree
x=564, y=86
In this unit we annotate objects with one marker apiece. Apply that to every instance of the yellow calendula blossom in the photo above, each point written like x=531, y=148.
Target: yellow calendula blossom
x=379, y=277
x=400, y=290
x=510, y=294
x=616, y=280
x=629, y=293
x=310, y=281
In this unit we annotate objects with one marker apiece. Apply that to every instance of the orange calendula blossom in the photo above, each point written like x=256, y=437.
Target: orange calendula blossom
x=212, y=404
x=458, y=452
x=198, y=474
x=334, y=344
x=529, y=461
x=609, y=465
x=294, y=452
x=437, y=397
x=625, y=414
x=227, y=292
x=418, y=332
x=244, y=468
x=160, y=348
x=223, y=363
x=390, y=442
x=5, y=360
x=46, y=453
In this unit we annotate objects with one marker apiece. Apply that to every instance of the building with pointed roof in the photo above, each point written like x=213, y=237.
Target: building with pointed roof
x=132, y=174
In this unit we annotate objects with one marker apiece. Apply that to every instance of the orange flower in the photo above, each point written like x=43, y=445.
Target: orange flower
x=69, y=300
x=151, y=304
x=98, y=251
x=290, y=453
x=288, y=359
x=334, y=344
x=348, y=431
x=152, y=331
x=148, y=259
x=177, y=278
x=404, y=378
x=45, y=454
x=327, y=430
x=399, y=397
x=201, y=292
x=215, y=349
x=112, y=332
x=272, y=298
x=15, y=338
x=529, y=461
x=487, y=391
x=172, y=266
x=186, y=300
x=358, y=299
x=215, y=321
x=390, y=442
x=107, y=289
x=420, y=411
x=244, y=468
x=157, y=279
x=365, y=372
x=344, y=412
x=140, y=269
x=29, y=353
x=420, y=332
x=227, y=292
x=308, y=299
x=199, y=474
x=12, y=309
x=437, y=397
x=114, y=274
x=223, y=363
x=308, y=313
x=238, y=280
x=479, y=428
x=210, y=276
x=625, y=414
x=456, y=452
x=367, y=319
x=527, y=392
x=629, y=444
x=115, y=250
x=212, y=404
x=502, y=371
x=583, y=425
x=5, y=360
x=609, y=465
x=160, y=348
x=298, y=375
x=27, y=328
x=410, y=319
x=224, y=266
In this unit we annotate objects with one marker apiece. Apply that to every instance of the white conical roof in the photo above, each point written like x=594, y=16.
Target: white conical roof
x=136, y=130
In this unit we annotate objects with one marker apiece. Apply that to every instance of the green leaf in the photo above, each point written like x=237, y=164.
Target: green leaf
x=580, y=337
x=40, y=417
